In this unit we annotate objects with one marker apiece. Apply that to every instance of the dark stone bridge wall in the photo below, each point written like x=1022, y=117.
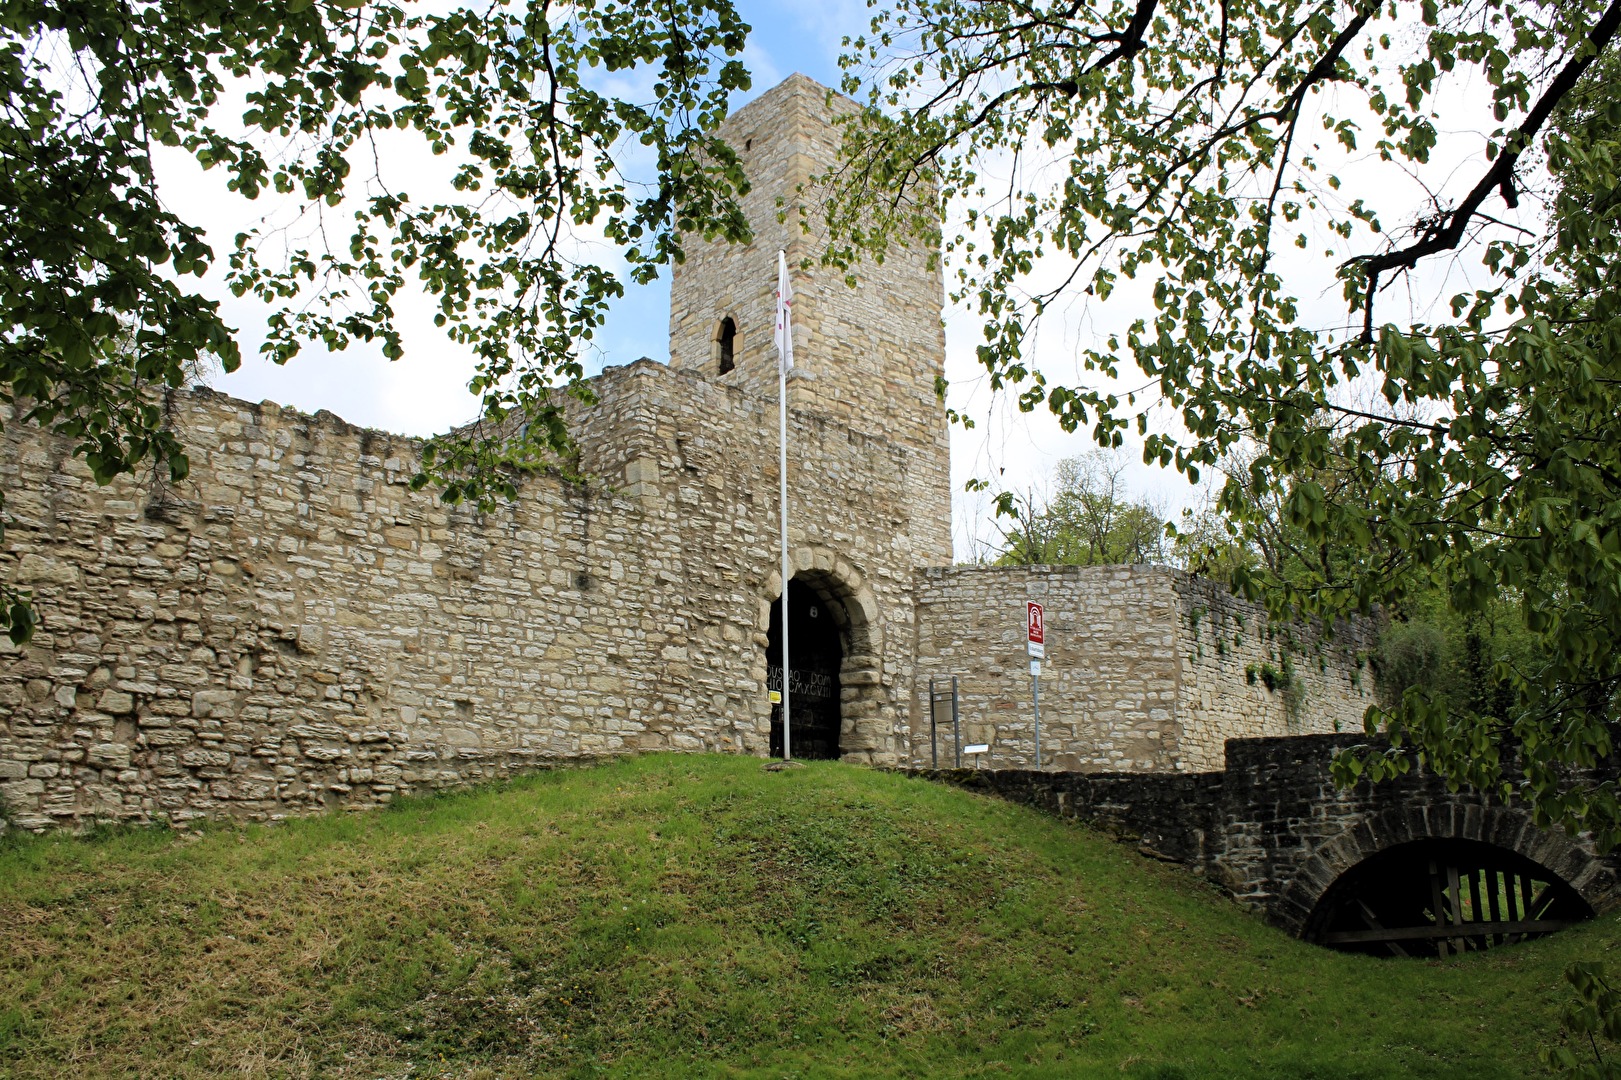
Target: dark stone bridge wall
x=1171, y=816
x=1274, y=832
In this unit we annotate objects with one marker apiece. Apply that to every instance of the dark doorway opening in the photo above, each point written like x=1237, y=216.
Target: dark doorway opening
x=1442, y=897
x=814, y=655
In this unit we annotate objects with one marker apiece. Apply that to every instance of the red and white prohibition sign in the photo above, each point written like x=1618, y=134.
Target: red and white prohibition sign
x=1037, y=630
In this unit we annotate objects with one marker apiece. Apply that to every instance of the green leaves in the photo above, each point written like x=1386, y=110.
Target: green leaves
x=1376, y=457
x=98, y=322
x=1590, y=1027
x=19, y=615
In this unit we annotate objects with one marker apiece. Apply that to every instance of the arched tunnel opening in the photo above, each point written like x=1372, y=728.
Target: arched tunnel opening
x=1441, y=897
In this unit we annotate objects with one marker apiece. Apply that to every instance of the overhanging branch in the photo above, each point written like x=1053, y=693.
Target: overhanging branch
x=1447, y=232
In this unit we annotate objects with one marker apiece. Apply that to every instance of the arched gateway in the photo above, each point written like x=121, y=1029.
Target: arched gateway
x=835, y=693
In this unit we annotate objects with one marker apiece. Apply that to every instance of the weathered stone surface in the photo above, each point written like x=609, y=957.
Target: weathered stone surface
x=40, y=569
x=866, y=357
x=108, y=755
x=295, y=598
x=1146, y=668
x=291, y=627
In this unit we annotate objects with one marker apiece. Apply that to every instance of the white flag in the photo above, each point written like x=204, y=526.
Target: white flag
x=785, y=305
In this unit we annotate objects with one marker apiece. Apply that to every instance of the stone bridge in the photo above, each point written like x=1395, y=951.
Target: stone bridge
x=1402, y=867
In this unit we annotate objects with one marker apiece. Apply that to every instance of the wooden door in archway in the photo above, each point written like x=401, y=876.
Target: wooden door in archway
x=815, y=653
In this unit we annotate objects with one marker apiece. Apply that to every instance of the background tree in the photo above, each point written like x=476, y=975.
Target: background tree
x=294, y=97
x=1202, y=146
x=1092, y=519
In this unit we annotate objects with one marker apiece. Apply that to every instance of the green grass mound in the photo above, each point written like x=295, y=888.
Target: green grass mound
x=678, y=915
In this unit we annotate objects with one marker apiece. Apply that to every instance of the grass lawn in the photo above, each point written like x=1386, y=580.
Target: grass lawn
x=682, y=915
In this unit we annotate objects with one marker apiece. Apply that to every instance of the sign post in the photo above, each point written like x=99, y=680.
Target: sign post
x=1036, y=636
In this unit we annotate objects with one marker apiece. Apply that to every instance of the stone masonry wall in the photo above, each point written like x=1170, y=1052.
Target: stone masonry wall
x=292, y=627
x=1147, y=668
x=1321, y=683
x=1274, y=832
x=1108, y=686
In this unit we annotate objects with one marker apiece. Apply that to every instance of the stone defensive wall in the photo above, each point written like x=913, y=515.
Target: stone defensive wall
x=292, y=627
x=1147, y=668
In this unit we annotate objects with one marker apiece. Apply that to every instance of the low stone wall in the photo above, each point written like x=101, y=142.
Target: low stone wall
x=1274, y=832
x=1167, y=816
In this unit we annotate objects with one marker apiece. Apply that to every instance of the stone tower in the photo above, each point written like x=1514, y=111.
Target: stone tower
x=867, y=357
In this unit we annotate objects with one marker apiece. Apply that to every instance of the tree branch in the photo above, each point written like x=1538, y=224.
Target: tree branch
x=1129, y=44
x=1447, y=232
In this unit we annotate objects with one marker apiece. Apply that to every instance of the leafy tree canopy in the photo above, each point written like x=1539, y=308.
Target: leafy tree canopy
x=1201, y=161
x=1091, y=520
x=294, y=97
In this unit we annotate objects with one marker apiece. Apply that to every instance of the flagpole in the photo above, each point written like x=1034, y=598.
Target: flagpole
x=785, y=358
x=782, y=469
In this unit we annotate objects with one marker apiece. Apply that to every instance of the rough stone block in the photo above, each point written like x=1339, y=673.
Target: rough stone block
x=214, y=703
x=108, y=755
x=38, y=569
